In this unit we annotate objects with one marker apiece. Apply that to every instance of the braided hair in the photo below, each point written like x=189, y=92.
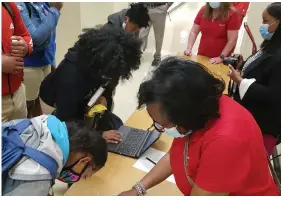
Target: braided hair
x=108, y=51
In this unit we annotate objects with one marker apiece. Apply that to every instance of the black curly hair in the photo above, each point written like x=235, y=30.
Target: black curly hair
x=138, y=14
x=83, y=139
x=187, y=92
x=108, y=51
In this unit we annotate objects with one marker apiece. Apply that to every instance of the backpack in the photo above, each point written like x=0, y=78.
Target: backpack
x=14, y=149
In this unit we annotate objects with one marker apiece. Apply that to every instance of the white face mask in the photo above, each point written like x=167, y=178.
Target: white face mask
x=173, y=132
x=215, y=4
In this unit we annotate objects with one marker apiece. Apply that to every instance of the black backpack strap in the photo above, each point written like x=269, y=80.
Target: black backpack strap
x=9, y=9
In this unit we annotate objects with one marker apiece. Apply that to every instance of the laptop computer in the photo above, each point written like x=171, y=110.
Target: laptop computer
x=134, y=141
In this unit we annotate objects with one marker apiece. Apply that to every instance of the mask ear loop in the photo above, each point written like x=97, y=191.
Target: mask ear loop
x=274, y=22
x=82, y=171
x=72, y=165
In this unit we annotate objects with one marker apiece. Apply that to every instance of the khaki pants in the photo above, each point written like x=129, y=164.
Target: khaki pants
x=157, y=20
x=14, y=106
x=33, y=77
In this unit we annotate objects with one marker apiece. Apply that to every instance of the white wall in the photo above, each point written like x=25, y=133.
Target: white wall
x=254, y=19
x=68, y=29
x=95, y=13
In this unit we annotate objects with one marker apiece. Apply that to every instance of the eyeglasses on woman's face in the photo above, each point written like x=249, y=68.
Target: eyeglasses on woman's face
x=157, y=127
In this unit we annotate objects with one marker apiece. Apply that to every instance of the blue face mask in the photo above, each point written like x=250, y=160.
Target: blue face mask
x=264, y=31
x=173, y=132
x=215, y=4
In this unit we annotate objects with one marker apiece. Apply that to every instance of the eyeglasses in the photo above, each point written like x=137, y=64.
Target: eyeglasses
x=157, y=127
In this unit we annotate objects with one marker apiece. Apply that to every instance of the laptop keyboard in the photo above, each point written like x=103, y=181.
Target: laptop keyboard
x=132, y=142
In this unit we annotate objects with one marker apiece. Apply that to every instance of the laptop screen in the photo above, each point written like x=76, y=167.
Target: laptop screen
x=154, y=135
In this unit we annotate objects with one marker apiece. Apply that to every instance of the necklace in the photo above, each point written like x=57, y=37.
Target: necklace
x=186, y=159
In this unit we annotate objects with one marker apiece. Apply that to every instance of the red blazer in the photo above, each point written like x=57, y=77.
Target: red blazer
x=10, y=27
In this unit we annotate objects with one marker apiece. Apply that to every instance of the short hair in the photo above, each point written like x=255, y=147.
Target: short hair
x=138, y=14
x=86, y=140
x=187, y=92
x=108, y=51
x=274, y=44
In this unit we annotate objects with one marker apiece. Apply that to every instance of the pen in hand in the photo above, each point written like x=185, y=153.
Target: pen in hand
x=150, y=160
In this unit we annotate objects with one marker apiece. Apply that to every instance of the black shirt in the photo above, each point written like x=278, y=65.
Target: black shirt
x=68, y=88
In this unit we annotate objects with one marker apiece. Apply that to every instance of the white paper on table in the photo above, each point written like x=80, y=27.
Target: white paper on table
x=145, y=165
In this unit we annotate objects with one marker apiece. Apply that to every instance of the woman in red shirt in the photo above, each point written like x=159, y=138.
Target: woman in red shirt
x=217, y=147
x=218, y=23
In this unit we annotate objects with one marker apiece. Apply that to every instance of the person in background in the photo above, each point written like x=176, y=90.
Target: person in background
x=157, y=13
x=222, y=152
x=132, y=19
x=78, y=151
x=242, y=8
x=16, y=43
x=41, y=19
x=105, y=52
x=219, y=24
x=259, y=82
x=51, y=50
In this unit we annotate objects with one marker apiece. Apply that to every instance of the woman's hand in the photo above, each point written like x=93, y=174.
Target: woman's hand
x=234, y=75
x=112, y=137
x=131, y=192
x=188, y=52
x=216, y=60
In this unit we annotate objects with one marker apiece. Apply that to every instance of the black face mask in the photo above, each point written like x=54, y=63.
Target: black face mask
x=67, y=175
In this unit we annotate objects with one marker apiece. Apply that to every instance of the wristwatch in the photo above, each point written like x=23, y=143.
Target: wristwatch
x=222, y=56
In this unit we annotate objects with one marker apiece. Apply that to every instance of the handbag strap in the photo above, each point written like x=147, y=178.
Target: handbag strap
x=273, y=173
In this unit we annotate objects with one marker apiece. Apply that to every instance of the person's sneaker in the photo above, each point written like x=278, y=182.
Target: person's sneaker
x=155, y=62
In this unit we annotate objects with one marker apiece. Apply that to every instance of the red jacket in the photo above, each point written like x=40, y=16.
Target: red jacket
x=10, y=27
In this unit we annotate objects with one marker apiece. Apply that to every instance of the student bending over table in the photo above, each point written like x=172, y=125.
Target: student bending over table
x=109, y=52
x=78, y=152
x=216, y=141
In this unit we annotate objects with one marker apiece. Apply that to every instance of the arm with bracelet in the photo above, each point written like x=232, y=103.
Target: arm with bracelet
x=160, y=172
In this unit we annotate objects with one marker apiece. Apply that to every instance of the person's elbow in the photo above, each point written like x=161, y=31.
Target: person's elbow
x=38, y=38
x=194, y=34
x=195, y=30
